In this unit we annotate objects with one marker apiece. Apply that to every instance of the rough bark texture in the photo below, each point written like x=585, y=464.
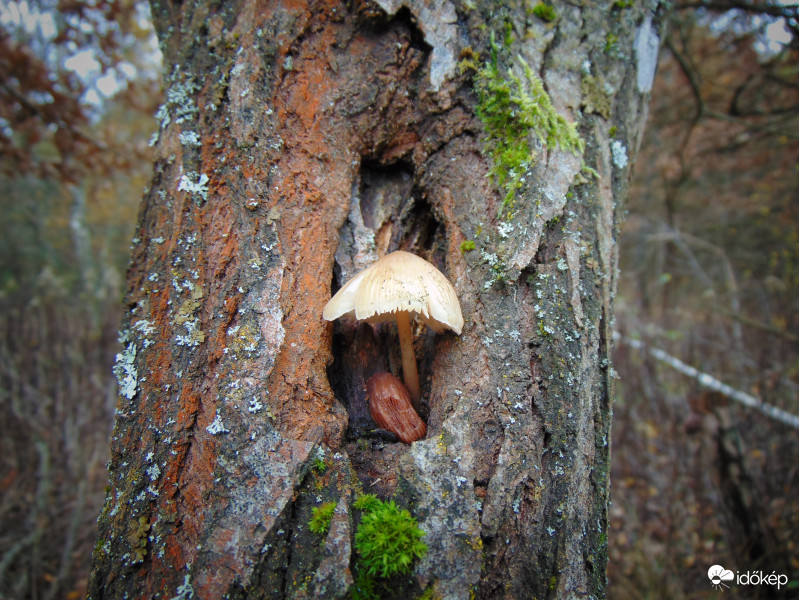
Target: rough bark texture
x=300, y=141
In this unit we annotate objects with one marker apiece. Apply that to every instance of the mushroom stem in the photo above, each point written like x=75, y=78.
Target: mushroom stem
x=409, y=372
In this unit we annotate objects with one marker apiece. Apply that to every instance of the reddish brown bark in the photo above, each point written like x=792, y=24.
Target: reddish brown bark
x=329, y=135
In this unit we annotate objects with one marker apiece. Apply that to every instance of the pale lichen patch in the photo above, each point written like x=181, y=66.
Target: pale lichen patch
x=217, y=426
x=244, y=339
x=180, y=98
x=145, y=328
x=125, y=367
x=190, y=138
x=185, y=591
x=619, y=153
x=193, y=336
x=194, y=184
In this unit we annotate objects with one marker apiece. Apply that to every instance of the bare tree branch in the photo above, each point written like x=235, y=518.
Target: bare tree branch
x=714, y=384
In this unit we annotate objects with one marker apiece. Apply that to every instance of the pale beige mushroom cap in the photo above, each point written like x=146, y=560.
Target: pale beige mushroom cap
x=399, y=281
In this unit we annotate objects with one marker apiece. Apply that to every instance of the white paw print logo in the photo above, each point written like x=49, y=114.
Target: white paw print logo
x=718, y=575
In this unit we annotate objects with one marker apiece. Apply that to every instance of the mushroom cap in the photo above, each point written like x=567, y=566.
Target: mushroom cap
x=399, y=281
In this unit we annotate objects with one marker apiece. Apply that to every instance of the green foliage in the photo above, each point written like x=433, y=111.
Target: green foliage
x=367, y=502
x=509, y=39
x=388, y=538
x=467, y=246
x=545, y=12
x=321, y=517
x=611, y=44
x=387, y=541
x=319, y=464
x=511, y=109
x=468, y=60
x=466, y=65
x=588, y=171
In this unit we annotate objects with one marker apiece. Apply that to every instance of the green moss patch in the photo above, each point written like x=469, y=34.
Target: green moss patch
x=545, y=12
x=388, y=541
x=512, y=109
x=321, y=517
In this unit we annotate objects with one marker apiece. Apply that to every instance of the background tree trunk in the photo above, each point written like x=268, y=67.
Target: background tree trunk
x=299, y=142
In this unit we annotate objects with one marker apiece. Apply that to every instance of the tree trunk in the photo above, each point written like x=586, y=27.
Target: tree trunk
x=300, y=141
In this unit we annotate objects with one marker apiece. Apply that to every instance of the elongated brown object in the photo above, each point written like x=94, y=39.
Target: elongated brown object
x=391, y=408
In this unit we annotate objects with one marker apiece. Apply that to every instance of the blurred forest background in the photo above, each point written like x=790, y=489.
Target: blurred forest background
x=703, y=474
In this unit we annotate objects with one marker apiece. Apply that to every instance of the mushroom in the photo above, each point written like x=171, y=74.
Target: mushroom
x=390, y=407
x=398, y=286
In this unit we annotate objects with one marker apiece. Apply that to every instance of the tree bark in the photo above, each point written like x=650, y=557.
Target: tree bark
x=300, y=141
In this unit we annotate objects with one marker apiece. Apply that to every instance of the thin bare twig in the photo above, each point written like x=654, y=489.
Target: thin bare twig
x=714, y=384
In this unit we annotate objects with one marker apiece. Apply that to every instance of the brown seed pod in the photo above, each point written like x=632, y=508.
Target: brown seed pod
x=391, y=408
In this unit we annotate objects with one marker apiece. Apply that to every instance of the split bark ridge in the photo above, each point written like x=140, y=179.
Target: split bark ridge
x=299, y=141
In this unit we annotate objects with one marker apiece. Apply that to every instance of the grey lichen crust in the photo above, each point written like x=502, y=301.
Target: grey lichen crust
x=436, y=474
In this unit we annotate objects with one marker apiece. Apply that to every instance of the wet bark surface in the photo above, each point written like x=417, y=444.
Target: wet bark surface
x=299, y=142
